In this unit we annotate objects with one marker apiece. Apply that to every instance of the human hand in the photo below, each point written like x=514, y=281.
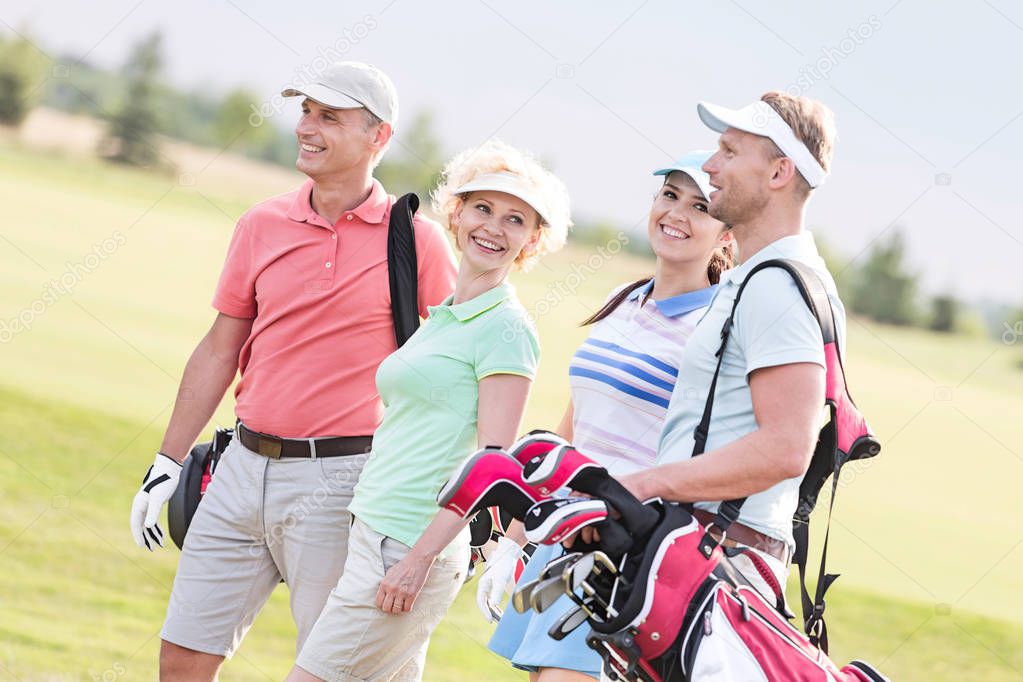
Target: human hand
x=402, y=584
x=157, y=487
x=497, y=578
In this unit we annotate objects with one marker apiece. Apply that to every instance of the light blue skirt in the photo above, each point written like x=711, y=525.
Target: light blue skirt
x=522, y=637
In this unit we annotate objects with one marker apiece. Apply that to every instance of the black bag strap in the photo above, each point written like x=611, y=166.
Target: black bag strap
x=402, y=268
x=813, y=292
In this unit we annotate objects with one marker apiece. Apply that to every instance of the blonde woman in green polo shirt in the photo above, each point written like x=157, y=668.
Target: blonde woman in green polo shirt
x=459, y=383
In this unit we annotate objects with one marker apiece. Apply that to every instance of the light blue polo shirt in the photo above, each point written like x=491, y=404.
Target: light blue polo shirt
x=773, y=326
x=430, y=391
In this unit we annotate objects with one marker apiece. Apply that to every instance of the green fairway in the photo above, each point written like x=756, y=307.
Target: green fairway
x=927, y=537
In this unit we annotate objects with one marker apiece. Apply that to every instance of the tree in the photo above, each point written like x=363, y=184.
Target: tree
x=944, y=313
x=414, y=160
x=883, y=290
x=23, y=69
x=132, y=135
x=232, y=127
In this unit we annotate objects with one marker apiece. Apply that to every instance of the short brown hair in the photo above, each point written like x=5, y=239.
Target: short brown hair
x=811, y=121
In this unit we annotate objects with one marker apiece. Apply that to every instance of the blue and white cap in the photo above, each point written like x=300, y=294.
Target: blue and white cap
x=691, y=164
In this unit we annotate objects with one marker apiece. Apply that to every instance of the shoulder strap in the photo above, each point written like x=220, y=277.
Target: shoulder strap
x=814, y=294
x=402, y=268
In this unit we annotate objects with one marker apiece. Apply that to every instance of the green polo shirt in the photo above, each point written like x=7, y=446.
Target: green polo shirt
x=430, y=391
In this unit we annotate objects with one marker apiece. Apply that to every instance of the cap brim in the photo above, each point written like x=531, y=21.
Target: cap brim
x=489, y=183
x=720, y=119
x=695, y=174
x=321, y=94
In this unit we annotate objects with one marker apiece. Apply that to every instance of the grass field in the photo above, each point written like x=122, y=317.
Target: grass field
x=928, y=537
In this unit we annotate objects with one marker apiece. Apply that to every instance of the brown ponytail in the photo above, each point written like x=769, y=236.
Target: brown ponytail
x=723, y=258
x=614, y=302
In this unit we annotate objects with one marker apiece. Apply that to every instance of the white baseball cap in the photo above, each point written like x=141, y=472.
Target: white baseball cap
x=692, y=165
x=353, y=85
x=509, y=183
x=760, y=118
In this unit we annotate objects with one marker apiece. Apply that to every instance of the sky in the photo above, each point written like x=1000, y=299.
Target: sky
x=927, y=95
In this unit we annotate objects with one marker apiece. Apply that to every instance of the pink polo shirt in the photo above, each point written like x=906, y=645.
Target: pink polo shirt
x=321, y=307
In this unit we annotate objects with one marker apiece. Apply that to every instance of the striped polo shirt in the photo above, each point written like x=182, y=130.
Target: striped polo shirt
x=622, y=376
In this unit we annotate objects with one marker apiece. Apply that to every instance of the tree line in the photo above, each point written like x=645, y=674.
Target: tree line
x=139, y=106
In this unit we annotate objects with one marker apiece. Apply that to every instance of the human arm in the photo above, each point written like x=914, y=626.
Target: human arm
x=502, y=401
x=207, y=376
x=208, y=373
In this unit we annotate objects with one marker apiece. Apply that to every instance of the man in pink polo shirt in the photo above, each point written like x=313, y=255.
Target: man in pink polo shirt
x=304, y=314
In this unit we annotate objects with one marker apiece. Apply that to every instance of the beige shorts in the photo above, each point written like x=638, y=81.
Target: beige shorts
x=353, y=640
x=261, y=521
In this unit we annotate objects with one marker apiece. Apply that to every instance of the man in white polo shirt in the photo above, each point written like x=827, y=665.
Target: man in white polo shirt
x=767, y=406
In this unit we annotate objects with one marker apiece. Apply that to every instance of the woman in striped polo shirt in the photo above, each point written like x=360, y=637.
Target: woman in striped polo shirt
x=621, y=379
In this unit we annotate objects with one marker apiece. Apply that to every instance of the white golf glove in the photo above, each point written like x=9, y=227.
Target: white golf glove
x=498, y=579
x=157, y=487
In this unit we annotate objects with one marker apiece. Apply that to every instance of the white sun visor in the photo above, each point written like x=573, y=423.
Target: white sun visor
x=509, y=183
x=760, y=118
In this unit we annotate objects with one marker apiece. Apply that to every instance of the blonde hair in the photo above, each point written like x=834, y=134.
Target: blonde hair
x=812, y=123
x=495, y=156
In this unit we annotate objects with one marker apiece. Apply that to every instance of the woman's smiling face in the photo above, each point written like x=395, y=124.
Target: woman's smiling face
x=680, y=228
x=493, y=228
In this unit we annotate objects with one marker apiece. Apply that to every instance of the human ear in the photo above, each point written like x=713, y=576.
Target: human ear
x=784, y=170
x=382, y=135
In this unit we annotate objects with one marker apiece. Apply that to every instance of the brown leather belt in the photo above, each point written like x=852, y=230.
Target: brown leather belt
x=738, y=534
x=276, y=448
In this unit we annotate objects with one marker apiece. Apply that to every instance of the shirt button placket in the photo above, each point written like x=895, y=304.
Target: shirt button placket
x=331, y=258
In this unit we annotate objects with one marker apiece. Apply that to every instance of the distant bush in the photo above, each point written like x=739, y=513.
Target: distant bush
x=945, y=314
x=882, y=288
x=23, y=70
x=133, y=129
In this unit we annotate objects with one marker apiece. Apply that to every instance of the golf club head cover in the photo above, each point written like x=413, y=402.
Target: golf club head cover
x=488, y=478
x=481, y=528
x=566, y=466
x=536, y=443
x=554, y=520
x=500, y=520
x=548, y=522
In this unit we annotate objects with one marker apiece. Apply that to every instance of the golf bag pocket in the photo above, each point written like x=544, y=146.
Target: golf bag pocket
x=197, y=472
x=734, y=634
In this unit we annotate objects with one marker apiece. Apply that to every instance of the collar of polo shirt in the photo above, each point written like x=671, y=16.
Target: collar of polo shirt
x=466, y=310
x=674, y=306
x=371, y=211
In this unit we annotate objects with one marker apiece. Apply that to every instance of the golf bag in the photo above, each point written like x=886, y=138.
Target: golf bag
x=196, y=472
x=676, y=613
x=403, y=281
x=668, y=607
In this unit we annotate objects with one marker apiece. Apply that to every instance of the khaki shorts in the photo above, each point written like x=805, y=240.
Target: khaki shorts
x=261, y=521
x=353, y=640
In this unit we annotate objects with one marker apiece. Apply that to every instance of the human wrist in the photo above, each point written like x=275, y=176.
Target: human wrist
x=424, y=555
x=161, y=453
